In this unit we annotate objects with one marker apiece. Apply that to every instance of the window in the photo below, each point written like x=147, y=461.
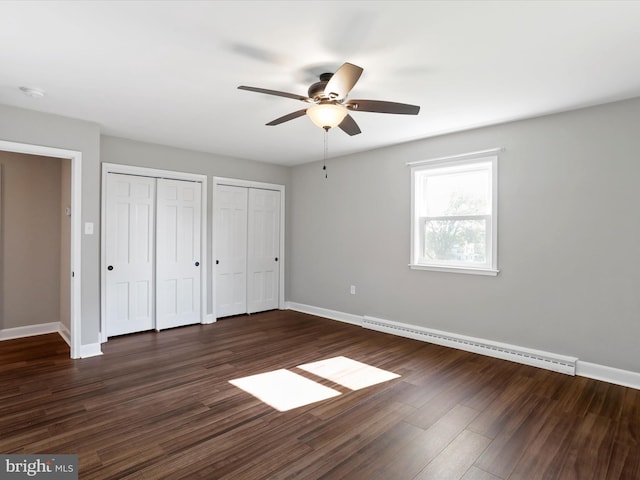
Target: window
x=454, y=203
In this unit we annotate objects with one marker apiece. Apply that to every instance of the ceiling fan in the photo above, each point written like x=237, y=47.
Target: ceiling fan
x=329, y=105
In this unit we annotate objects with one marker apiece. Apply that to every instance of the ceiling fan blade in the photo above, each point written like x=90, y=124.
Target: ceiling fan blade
x=343, y=81
x=276, y=92
x=349, y=126
x=288, y=117
x=380, y=106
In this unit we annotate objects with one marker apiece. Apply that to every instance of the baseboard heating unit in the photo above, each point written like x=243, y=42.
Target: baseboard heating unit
x=536, y=358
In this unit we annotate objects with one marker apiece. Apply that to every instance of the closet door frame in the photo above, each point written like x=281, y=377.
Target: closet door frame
x=154, y=173
x=235, y=182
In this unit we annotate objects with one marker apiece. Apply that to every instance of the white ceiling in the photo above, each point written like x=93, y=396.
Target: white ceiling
x=166, y=72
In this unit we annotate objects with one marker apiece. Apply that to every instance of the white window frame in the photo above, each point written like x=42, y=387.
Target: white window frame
x=417, y=224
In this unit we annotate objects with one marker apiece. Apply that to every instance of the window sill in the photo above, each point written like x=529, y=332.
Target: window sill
x=465, y=270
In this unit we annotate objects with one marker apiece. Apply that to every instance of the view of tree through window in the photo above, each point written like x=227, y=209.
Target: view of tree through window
x=458, y=240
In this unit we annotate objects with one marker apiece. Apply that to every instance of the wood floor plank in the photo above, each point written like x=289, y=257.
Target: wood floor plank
x=408, y=462
x=336, y=440
x=454, y=461
x=625, y=460
x=375, y=453
x=589, y=454
x=475, y=473
x=161, y=405
x=511, y=442
x=506, y=411
x=542, y=453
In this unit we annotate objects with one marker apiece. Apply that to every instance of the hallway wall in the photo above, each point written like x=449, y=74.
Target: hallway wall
x=30, y=268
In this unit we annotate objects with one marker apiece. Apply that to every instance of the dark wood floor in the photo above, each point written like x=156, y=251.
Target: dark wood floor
x=160, y=406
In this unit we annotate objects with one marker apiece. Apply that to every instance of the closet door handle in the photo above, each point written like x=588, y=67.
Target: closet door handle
x=110, y=267
x=276, y=259
x=217, y=262
x=197, y=264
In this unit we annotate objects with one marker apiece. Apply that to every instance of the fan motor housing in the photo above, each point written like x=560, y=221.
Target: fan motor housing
x=316, y=91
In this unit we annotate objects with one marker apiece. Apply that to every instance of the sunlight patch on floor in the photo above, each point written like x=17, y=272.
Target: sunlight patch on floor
x=348, y=373
x=284, y=390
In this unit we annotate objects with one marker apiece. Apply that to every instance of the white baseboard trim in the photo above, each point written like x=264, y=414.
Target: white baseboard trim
x=326, y=313
x=527, y=356
x=90, y=350
x=29, y=330
x=209, y=318
x=626, y=378
x=65, y=333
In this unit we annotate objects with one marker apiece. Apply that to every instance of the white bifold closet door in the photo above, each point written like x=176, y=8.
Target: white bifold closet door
x=231, y=250
x=178, y=253
x=263, y=249
x=247, y=224
x=129, y=252
x=152, y=252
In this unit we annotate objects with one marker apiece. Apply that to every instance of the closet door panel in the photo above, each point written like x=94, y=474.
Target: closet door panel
x=263, y=250
x=231, y=250
x=129, y=253
x=178, y=271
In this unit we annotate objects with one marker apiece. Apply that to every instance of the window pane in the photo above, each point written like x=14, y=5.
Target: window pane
x=458, y=193
x=455, y=241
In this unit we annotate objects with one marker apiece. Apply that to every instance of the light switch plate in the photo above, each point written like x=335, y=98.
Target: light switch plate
x=88, y=228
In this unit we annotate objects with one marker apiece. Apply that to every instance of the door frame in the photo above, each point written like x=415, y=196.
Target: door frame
x=75, y=302
x=235, y=182
x=154, y=173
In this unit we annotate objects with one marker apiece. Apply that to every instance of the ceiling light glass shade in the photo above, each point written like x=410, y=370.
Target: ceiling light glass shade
x=327, y=115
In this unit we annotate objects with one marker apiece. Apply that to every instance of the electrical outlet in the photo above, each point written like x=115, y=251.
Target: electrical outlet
x=353, y=290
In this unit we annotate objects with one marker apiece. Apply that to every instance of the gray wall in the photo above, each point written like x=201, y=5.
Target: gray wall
x=130, y=152
x=34, y=128
x=569, y=237
x=30, y=268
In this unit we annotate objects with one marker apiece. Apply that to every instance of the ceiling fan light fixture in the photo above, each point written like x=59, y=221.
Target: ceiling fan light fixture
x=327, y=115
x=328, y=96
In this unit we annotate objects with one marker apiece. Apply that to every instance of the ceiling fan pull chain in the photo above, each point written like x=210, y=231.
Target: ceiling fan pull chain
x=326, y=150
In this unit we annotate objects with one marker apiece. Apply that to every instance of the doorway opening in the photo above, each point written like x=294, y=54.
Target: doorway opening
x=72, y=262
